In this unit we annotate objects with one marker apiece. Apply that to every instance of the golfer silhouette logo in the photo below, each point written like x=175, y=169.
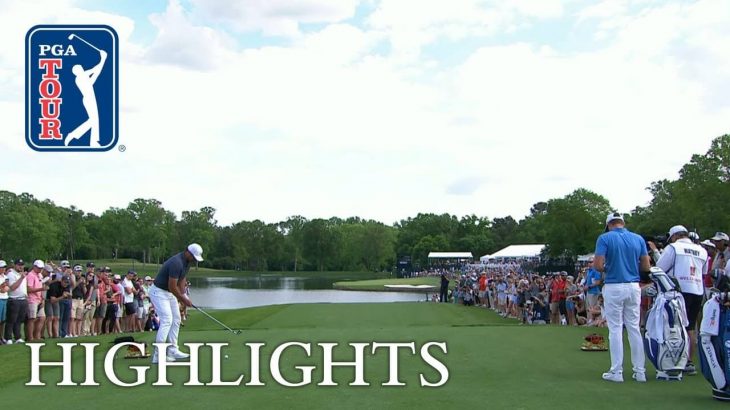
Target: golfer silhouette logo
x=72, y=88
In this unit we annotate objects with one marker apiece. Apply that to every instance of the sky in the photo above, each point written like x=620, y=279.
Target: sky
x=381, y=109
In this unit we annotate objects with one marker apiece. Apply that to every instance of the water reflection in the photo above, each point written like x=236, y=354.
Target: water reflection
x=234, y=293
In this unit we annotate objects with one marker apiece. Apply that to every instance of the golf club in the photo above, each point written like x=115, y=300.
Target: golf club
x=235, y=332
x=72, y=36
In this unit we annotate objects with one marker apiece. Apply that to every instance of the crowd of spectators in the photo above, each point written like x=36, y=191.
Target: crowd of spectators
x=65, y=301
x=517, y=291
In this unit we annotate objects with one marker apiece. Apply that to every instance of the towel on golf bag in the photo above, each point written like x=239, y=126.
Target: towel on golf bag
x=666, y=341
x=713, y=346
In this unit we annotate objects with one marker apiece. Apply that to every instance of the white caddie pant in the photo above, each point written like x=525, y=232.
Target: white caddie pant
x=168, y=311
x=621, y=304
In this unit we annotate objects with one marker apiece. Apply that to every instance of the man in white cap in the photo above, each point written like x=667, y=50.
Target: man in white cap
x=167, y=292
x=621, y=255
x=686, y=262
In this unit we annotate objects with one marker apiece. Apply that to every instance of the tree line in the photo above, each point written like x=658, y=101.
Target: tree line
x=145, y=230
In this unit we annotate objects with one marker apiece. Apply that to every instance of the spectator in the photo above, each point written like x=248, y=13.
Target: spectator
x=593, y=285
x=34, y=289
x=65, y=305
x=621, y=254
x=540, y=308
x=3, y=299
x=444, y=287
x=557, y=299
x=78, y=296
x=90, y=302
x=572, y=292
x=54, y=295
x=17, y=302
x=723, y=253
x=130, y=306
x=686, y=262
x=100, y=312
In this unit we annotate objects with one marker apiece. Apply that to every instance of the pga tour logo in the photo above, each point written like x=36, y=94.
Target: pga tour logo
x=72, y=84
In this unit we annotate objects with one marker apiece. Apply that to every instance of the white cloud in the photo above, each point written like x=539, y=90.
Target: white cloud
x=274, y=17
x=334, y=124
x=180, y=42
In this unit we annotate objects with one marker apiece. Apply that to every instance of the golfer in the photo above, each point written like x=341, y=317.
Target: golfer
x=620, y=256
x=166, y=293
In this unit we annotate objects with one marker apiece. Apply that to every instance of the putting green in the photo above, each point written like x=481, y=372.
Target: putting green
x=492, y=362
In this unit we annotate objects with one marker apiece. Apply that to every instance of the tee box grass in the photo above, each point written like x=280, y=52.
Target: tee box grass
x=493, y=363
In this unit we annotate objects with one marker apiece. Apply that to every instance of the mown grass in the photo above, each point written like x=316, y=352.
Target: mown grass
x=493, y=363
x=379, y=284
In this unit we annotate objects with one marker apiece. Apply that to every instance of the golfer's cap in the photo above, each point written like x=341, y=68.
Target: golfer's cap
x=90, y=265
x=197, y=251
x=65, y=264
x=3, y=264
x=708, y=243
x=614, y=216
x=117, y=277
x=78, y=268
x=720, y=236
x=149, y=278
x=39, y=264
x=677, y=229
x=19, y=262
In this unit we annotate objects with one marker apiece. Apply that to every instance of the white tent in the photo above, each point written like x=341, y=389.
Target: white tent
x=450, y=255
x=516, y=252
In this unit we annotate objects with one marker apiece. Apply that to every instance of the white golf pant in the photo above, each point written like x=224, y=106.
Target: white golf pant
x=621, y=304
x=168, y=311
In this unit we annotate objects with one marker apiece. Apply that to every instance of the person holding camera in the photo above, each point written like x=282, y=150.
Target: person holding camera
x=621, y=255
x=686, y=262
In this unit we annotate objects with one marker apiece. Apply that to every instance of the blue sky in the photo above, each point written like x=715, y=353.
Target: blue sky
x=383, y=108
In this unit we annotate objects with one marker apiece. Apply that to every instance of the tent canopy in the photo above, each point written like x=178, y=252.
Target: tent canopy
x=516, y=251
x=450, y=255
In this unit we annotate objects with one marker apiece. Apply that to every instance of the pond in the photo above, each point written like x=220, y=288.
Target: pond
x=242, y=292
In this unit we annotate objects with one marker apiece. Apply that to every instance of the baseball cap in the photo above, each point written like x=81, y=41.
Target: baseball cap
x=77, y=268
x=709, y=243
x=677, y=229
x=66, y=278
x=90, y=265
x=3, y=264
x=39, y=264
x=197, y=251
x=131, y=272
x=720, y=236
x=149, y=278
x=19, y=262
x=117, y=277
x=107, y=269
x=48, y=268
x=614, y=216
x=65, y=264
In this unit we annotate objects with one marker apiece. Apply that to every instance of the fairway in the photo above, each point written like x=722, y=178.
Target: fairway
x=493, y=363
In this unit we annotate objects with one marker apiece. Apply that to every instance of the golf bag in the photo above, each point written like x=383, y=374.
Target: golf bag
x=714, y=340
x=666, y=341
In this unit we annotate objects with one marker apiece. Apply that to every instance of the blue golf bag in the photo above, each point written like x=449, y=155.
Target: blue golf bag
x=666, y=342
x=714, y=340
